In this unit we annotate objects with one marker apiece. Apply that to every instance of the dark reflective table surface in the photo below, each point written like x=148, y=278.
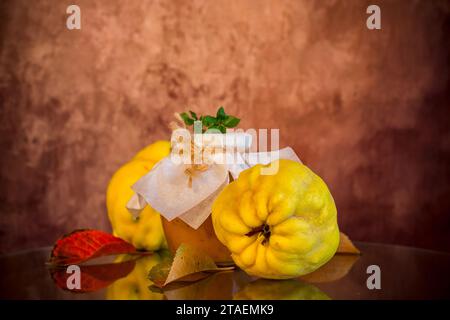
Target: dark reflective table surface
x=406, y=273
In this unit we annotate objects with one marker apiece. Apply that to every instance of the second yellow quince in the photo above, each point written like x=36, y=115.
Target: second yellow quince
x=277, y=226
x=145, y=232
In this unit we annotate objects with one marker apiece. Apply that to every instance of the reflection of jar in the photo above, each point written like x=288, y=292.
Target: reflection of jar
x=203, y=238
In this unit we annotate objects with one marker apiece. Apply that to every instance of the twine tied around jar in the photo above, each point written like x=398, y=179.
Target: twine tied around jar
x=193, y=169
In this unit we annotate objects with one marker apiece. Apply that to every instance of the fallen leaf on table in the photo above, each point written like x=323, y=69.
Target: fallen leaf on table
x=83, y=245
x=93, y=277
x=189, y=264
x=189, y=260
x=182, y=282
x=338, y=267
x=346, y=246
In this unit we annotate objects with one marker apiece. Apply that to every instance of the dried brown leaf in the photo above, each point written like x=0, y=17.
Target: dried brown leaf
x=189, y=265
x=189, y=260
x=346, y=245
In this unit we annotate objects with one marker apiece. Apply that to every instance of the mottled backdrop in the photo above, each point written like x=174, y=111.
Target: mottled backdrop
x=367, y=110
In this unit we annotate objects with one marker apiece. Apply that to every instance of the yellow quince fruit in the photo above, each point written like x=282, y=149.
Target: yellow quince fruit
x=145, y=232
x=154, y=152
x=277, y=226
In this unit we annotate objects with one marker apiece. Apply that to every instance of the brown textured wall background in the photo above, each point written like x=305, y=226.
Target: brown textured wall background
x=367, y=110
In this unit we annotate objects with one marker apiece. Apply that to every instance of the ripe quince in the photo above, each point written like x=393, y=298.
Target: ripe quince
x=154, y=152
x=277, y=226
x=145, y=232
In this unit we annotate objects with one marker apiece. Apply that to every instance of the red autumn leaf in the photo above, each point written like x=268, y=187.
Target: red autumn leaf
x=82, y=245
x=93, y=277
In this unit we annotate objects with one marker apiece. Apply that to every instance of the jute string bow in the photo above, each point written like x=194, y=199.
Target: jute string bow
x=193, y=169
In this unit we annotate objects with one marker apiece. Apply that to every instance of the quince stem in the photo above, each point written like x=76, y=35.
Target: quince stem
x=264, y=230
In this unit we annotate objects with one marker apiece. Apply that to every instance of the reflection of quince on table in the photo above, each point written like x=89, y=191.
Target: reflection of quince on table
x=218, y=286
x=135, y=285
x=223, y=285
x=264, y=289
